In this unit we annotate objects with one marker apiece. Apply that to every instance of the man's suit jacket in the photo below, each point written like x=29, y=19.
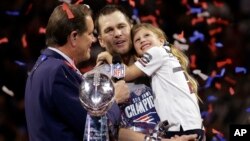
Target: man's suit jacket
x=52, y=106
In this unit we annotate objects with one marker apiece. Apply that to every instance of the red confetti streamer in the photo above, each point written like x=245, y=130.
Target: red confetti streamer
x=181, y=35
x=78, y=2
x=24, y=41
x=196, y=1
x=42, y=30
x=132, y=3
x=29, y=9
x=157, y=12
x=109, y=1
x=184, y=2
x=158, y=2
x=217, y=132
x=197, y=20
x=212, y=45
x=230, y=80
x=215, y=31
x=142, y=2
x=218, y=20
x=213, y=74
x=192, y=61
x=218, y=4
x=211, y=20
x=217, y=85
x=225, y=22
x=210, y=108
x=231, y=91
x=4, y=40
x=204, y=5
x=68, y=11
x=223, y=63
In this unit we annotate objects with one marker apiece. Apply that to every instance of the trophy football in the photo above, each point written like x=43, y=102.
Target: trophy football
x=96, y=96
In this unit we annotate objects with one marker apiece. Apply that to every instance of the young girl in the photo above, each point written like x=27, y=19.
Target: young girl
x=175, y=91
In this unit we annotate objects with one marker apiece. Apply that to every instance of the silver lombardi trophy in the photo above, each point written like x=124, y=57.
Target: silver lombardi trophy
x=96, y=96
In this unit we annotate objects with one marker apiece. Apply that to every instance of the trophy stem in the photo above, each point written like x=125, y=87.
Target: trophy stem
x=96, y=129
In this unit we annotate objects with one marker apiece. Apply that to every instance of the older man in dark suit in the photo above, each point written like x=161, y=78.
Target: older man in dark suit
x=52, y=106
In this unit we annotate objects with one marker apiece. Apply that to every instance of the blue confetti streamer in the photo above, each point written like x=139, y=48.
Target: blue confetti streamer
x=240, y=69
x=196, y=36
x=12, y=13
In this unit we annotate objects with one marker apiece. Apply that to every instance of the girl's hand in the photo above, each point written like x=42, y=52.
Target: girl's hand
x=103, y=57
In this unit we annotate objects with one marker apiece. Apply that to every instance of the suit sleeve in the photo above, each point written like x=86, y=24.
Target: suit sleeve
x=66, y=99
x=114, y=114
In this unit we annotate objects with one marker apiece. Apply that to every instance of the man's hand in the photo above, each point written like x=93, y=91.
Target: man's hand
x=122, y=92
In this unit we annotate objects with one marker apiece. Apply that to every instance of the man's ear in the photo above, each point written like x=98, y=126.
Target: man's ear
x=101, y=42
x=73, y=37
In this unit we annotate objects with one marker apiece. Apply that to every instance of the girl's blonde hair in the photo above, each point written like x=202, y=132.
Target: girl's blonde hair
x=183, y=59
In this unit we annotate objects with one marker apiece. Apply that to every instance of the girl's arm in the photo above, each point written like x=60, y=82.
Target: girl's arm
x=103, y=57
x=130, y=135
x=132, y=72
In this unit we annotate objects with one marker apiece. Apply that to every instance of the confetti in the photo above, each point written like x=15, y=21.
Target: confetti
x=192, y=61
x=223, y=63
x=221, y=73
x=12, y=13
x=208, y=82
x=20, y=63
x=230, y=80
x=196, y=36
x=203, y=14
x=231, y=91
x=8, y=91
x=218, y=4
x=180, y=37
x=183, y=47
x=4, y=40
x=212, y=32
x=211, y=20
x=218, y=45
x=199, y=73
x=197, y=20
x=240, y=69
x=78, y=2
x=217, y=85
x=212, y=98
x=195, y=10
x=132, y=3
x=24, y=41
x=42, y=30
x=217, y=132
x=142, y=2
x=248, y=110
x=68, y=11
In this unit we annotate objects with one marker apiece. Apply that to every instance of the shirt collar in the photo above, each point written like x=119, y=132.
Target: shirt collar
x=63, y=55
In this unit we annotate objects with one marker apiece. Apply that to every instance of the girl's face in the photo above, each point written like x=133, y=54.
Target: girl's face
x=144, y=39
